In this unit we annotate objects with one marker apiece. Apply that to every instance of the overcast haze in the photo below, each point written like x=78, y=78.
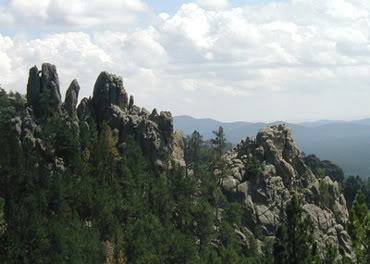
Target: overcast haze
x=228, y=60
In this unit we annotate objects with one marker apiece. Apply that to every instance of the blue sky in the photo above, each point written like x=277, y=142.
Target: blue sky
x=229, y=60
x=171, y=6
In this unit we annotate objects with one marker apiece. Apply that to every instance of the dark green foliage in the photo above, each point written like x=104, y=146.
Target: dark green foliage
x=330, y=255
x=294, y=239
x=192, y=152
x=352, y=186
x=101, y=205
x=324, y=168
x=252, y=168
x=219, y=141
x=327, y=199
x=359, y=228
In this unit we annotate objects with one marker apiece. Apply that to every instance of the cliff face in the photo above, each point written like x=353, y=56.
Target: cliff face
x=264, y=173
x=110, y=103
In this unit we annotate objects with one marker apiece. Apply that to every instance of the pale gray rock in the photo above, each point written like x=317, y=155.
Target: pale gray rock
x=263, y=194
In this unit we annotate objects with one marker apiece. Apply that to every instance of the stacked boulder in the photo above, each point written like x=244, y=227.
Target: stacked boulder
x=265, y=171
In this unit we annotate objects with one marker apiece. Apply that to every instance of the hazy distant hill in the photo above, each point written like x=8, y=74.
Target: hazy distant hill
x=345, y=142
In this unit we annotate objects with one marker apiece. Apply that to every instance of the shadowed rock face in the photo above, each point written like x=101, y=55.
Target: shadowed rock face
x=33, y=86
x=43, y=92
x=110, y=103
x=108, y=90
x=71, y=100
x=50, y=81
x=263, y=193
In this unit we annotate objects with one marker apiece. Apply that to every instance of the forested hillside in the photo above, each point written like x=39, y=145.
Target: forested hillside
x=109, y=182
x=345, y=143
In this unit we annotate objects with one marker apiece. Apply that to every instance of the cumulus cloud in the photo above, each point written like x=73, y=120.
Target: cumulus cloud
x=78, y=12
x=73, y=53
x=213, y=4
x=266, y=61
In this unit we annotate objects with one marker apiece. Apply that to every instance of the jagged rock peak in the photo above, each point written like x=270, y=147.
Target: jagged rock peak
x=44, y=83
x=110, y=103
x=50, y=81
x=71, y=100
x=265, y=171
x=33, y=86
x=275, y=145
x=109, y=90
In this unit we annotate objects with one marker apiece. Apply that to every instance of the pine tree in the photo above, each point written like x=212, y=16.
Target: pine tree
x=219, y=141
x=294, y=239
x=359, y=228
x=192, y=152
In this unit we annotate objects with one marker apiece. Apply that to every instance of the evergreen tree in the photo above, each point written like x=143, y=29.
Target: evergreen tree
x=359, y=228
x=192, y=152
x=294, y=242
x=219, y=141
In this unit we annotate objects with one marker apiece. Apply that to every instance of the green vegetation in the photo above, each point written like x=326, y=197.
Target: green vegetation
x=294, y=239
x=101, y=205
x=322, y=168
x=327, y=198
x=105, y=205
x=359, y=228
x=219, y=141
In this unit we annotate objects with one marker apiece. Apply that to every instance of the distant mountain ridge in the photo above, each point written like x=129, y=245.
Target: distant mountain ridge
x=346, y=143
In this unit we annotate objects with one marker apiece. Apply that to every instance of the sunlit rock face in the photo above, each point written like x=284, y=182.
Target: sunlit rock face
x=264, y=191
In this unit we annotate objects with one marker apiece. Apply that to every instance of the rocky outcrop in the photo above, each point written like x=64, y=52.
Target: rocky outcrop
x=108, y=90
x=71, y=100
x=110, y=103
x=33, y=87
x=43, y=91
x=264, y=173
x=50, y=82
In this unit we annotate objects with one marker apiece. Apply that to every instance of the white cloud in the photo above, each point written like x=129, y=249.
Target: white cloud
x=270, y=60
x=213, y=4
x=78, y=12
x=73, y=53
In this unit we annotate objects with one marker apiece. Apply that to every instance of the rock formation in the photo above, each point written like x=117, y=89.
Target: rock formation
x=43, y=92
x=263, y=190
x=71, y=100
x=110, y=103
x=33, y=86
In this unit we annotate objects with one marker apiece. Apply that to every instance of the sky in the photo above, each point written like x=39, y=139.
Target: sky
x=231, y=60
